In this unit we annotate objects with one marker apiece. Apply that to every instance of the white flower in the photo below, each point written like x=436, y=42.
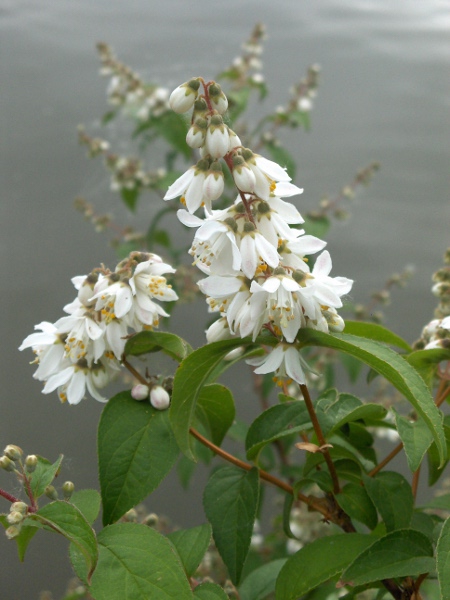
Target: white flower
x=146, y=284
x=190, y=187
x=218, y=331
x=49, y=348
x=253, y=248
x=73, y=380
x=285, y=361
x=217, y=140
x=328, y=289
x=214, y=247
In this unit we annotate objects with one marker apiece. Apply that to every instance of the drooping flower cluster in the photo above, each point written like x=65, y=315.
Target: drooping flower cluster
x=253, y=253
x=84, y=349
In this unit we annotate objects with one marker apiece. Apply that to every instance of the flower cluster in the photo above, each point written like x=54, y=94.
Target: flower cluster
x=84, y=349
x=253, y=253
x=127, y=90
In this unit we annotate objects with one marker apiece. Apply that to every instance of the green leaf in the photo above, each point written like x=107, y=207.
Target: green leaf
x=443, y=560
x=136, y=450
x=416, y=438
x=439, y=502
x=191, y=545
x=317, y=562
x=66, y=519
x=192, y=374
x=156, y=341
x=215, y=410
x=373, y=331
x=423, y=523
x=394, y=368
x=426, y=362
x=393, y=498
x=334, y=410
x=136, y=562
x=317, y=226
x=24, y=537
x=261, y=582
x=401, y=553
x=209, y=591
x=230, y=501
x=43, y=475
x=173, y=128
x=281, y=156
x=274, y=423
x=130, y=197
x=88, y=503
x=355, y=501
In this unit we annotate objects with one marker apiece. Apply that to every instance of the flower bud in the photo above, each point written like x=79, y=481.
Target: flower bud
x=183, y=97
x=217, y=137
x=19, y=507
x=67, y=489
x=130, y=516
x=196, y=135
x=140, y=392
x=235, y=141
x=214, y=182
x=51, y=492
x=218, y=98
x=151, y=520
x=7, y=464
x=219, y=330
x=13, y=452
x=12, y=531
x=159, y=398
x=243, y=176
x=86, y=290
x=31, y=462
x=15, y=517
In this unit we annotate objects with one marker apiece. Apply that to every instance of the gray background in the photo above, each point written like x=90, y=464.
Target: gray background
x=383, y=96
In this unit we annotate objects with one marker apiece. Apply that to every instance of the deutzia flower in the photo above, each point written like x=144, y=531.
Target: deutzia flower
x=73, y=380
x=285, y=361
x=254, y=247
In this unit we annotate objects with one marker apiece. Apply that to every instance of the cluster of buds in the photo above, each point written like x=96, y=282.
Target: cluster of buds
x=253, y=252
x=127, y=90
x=436, y=334
x=127, y=172
x=84, y=349
x=246, y=68
x=158, y=392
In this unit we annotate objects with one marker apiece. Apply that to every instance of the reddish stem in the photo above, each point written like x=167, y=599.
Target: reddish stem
x=8, y=496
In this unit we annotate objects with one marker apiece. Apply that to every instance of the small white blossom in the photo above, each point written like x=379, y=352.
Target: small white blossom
x=159, y=398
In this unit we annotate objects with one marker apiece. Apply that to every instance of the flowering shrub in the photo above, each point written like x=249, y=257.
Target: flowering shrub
x=349, y=526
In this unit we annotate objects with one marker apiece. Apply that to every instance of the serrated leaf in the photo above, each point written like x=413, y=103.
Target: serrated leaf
x=334, y=410
x=261, y=582
x=317, y=562
x=191, y=545
x=373, y=331
x=66, y=519
x=230, y=501
x=215, y=410
x=355, y=501
x=394, y=368
x=274, y=423
x=209, y=591
x=136, y=562
x=136, y=450
x=24, y=537
x=416, y=438
x=43, y=475
x=192, y=374
x=145, y=342
x=88, y=503
x=393, y=498
x=443, y=560
x=401, y=553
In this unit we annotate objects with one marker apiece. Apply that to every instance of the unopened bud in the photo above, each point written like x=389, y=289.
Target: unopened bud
x=12, y=531
x=159, y=398
x=151, y=520
x=131, y=516
x=13, y=452
x=7, y=464
x=140, y=392
x=67, y=489
x=51, y=492
x=19, y=507
x=14, y=517
x=31, y=462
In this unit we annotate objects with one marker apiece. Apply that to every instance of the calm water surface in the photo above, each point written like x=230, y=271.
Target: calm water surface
x=383, y=96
